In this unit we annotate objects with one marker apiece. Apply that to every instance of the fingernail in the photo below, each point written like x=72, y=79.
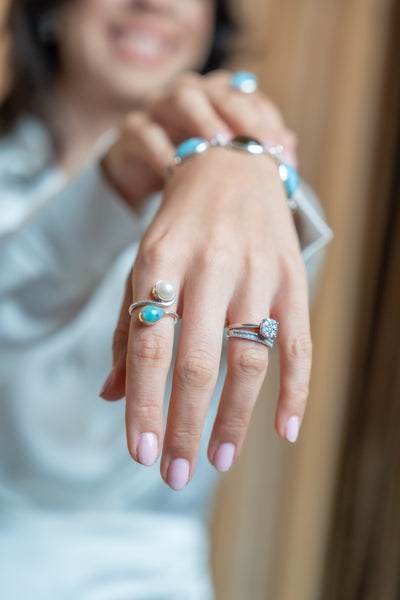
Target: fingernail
x=223, y=458
x=292, y=429
x=220, y=139
x=290, y=159
x=107, y=384
x=178, y=473
x=147, y=449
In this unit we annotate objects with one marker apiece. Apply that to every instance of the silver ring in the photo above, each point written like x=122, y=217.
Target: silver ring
x=152, y=311
x=265, y=332
x=253, y=336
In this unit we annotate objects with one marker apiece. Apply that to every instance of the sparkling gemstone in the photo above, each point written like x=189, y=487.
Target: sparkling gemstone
x=269, y=328
x=164, y=290
x=150, y=314
x=191, y=146
x=289, y=177
x=244, y=81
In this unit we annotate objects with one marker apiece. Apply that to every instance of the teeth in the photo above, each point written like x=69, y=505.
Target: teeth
x=143, y=44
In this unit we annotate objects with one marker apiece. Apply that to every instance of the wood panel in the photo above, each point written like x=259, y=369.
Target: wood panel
x=364, y=549
x=323, y=62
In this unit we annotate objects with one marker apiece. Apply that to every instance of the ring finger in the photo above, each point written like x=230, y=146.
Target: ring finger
x=247, y=366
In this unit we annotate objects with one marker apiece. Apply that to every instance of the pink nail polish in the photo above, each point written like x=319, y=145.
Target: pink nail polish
x=220, y=139
x=178, y=473
x=107, y=384
x=290, y=159
x=147, y=449
x=292, y=429
x=223, y=457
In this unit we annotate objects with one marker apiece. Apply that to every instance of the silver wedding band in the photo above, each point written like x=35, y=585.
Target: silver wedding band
x=265, y=333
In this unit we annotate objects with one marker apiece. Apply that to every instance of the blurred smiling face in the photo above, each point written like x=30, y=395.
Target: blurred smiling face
x=123, y=49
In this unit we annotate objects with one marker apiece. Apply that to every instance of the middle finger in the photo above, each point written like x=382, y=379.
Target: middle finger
x=195, y=373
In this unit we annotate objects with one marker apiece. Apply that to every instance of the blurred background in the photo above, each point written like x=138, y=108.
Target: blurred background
x=321, y=519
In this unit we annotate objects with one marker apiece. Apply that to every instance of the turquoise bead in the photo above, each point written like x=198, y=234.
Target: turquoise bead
x=290, y=178
x=151, y=314
x=244, y=81
x=191, y=146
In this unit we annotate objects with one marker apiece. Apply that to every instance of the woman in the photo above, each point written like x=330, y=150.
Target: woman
x=72, y=499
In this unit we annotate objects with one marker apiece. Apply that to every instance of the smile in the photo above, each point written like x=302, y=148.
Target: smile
x=140, y=45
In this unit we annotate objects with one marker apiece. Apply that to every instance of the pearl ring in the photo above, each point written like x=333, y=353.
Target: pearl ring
x=152, y=311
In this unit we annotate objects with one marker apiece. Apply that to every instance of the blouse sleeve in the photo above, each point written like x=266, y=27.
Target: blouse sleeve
x=312, y=229
x=56, y=248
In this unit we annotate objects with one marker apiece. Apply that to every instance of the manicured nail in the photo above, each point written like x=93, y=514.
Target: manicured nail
x=290, y=159
x=223, y=457
x=178, y=473
x=220, y=139
x=147, y=449
x=292, y=429
x=107, y=384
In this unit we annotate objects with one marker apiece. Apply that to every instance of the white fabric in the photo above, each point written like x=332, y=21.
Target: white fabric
x=78, y=517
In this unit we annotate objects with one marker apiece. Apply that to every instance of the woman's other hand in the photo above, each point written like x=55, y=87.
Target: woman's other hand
x=224, y=235
x=195, y=105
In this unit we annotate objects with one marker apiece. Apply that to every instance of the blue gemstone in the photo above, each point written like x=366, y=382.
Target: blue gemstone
x=289, y=177
x=151, y=314
x=190, y=146
x=244, y=81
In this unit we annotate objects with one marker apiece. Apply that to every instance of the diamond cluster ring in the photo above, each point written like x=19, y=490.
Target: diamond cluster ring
x=152, y=311
x=264, y=333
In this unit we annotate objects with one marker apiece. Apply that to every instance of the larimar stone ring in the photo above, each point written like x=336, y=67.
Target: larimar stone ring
x=264, y=333
x=244, y=81
x=152, y=311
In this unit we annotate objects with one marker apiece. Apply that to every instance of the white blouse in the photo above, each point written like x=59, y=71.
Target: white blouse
x=79, y=519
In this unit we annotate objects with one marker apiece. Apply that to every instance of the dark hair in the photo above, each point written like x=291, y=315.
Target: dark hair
x=35, y=62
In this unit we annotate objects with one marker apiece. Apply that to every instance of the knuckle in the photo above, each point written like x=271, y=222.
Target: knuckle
x=300, y=347
x=251, y=362
x=146, y=410
x=297, y=394
x=150, y=255
x=183, y=94
x=197, y=369
x=216, y=256
x=134, y=123
x=236, y=419
x=188, y=79
x=183, y=441
x=292, y=267
x=152, y=348
x=290, y=140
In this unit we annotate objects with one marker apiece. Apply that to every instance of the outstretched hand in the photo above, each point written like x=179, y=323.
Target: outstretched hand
x=224, y=236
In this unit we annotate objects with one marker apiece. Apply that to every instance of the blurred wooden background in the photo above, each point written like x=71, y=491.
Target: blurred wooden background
x=302, y=523
x=320, y=520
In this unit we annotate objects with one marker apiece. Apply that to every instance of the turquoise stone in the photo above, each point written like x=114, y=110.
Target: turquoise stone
x=289, y=177
x=151, y=314
x=191, y=146
x=244, y=81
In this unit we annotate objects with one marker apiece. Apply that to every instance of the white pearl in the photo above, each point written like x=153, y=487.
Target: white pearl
x=164, y=290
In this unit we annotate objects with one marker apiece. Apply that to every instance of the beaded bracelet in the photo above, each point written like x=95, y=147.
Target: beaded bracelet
x=197, y=145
